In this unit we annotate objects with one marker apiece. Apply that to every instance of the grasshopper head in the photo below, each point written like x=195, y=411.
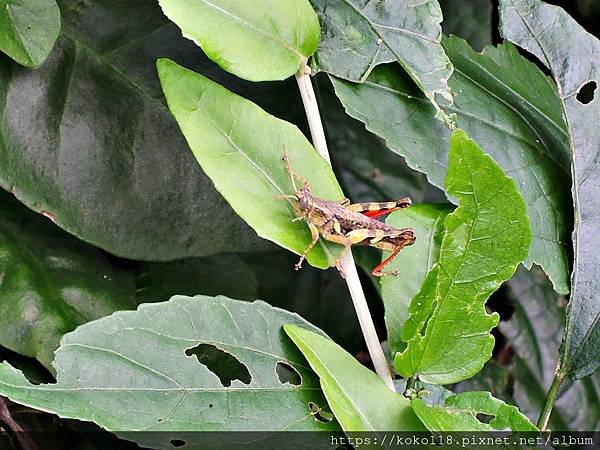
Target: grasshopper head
x=304, y=205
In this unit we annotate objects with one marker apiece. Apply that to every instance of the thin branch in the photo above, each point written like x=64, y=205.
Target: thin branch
x=23, y=438
x=544, y=418
x=348, y=266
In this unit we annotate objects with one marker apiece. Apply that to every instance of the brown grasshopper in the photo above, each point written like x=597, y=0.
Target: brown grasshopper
x=348, y=224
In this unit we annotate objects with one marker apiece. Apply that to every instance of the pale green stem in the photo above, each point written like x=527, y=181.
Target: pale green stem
x=348, y=266
x=542, y=423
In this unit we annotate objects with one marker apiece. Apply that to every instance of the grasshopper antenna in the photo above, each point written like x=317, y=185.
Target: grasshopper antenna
x=288, y=165
x=293, y=175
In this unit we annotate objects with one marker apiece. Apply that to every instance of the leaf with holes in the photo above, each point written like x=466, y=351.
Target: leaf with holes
x=510, y=108
x=573, y=56
x=397, y=292
x=358, y=398
x=358, y=35
x=240, y=147
x=166, y=367
x=459, y=413
x=487, y=236
x=51, y=282
x=28, y=29
x=255, y=40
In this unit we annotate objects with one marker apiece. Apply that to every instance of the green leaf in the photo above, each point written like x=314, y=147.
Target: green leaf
x=166, y=367
x=412, y=264
x=51, y=283
x=240, y=147
x=493, y=377
x=460, y=414
x=486, y=237
x=255, y=40
x=89, y=140
x=534, y=332
x=572, y=55
x=376, y=174
x=357, y=397
x=472, y=20
x=508, y=106
x=357, y=35
x=28, y=29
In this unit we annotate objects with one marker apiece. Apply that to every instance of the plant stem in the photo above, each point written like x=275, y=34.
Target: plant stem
x=348, y=266
x=542, y=423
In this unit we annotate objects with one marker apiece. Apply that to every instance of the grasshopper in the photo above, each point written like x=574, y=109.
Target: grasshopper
x=348, y=223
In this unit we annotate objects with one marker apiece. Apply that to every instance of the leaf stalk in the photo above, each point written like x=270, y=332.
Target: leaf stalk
x=348, y=266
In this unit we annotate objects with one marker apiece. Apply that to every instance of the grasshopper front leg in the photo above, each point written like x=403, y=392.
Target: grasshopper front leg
x=314, y=232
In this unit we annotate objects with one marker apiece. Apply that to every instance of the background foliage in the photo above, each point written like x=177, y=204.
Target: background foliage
x=105, y=208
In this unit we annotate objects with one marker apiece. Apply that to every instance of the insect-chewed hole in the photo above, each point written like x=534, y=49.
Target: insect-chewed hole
x=585, y=94
x=224, y=365
x=319, y=414
x=484, y=418
x=178, y=443
x=287, y=374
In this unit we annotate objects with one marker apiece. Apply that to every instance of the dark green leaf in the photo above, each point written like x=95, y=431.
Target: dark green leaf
x=487, y=236
x=460, y=414
x=508, y=106
x=257, y=41
x=88, y=138
x=534, y=332
x=226, y=274
x=366, y=168
x=28, y=29
x=573, y=56
x=141, y=370
x=240, y=147
x=469, y=19
x=357, y=35
x=51, y=283
x=412, y=264
x=357, y=397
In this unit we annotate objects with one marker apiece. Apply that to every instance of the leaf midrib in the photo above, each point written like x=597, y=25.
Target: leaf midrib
x=270, y=37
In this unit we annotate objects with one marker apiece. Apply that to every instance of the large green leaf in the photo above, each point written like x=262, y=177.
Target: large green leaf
x=367, y=170
x=28, y=29
x=153, y=369
x=534, y=332
x=460, y=414
x=469, y=19
x=412, y=264
x=240, y=147
x=51, y=283
x=508, y=106
x=255, y=40
x=89, y=139
x=357, y=35
x=573, y=56
x=487, y=236
x=357, y=397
